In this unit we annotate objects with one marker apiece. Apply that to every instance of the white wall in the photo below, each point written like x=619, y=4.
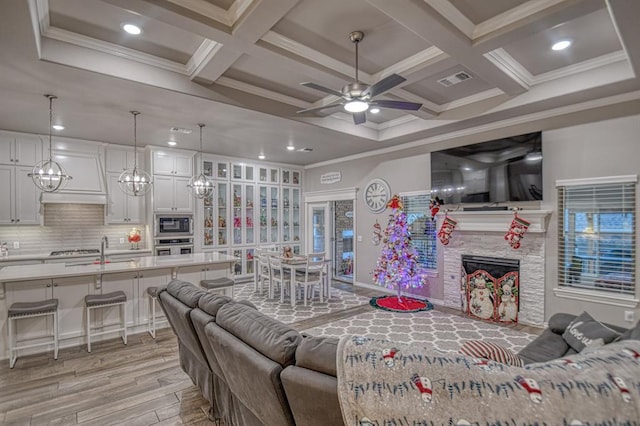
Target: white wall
x=606, y=148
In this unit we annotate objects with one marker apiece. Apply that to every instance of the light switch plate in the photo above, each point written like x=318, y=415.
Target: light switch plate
x=16, y=244
x=121, y=240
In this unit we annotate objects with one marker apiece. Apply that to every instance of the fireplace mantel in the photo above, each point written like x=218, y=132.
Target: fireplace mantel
x=496, y=221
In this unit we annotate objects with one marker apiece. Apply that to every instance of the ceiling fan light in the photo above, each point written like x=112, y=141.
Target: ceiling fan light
x=356, y=106
x=374, y=110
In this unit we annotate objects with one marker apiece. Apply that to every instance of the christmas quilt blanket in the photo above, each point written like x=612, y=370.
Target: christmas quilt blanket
x=385, y=384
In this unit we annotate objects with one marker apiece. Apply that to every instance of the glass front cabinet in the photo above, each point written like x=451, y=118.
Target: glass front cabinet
x=251, y=206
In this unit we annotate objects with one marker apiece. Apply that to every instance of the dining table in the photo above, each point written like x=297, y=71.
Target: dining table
x=299, y=263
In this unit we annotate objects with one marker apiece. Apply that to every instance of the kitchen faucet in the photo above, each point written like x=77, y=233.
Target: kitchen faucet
x=103, y=244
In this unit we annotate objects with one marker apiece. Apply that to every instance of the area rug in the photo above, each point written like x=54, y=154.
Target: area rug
x=442, y=331
x=402, y=304
x=340, y=300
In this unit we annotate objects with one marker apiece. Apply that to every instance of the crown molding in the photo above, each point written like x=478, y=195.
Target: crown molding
x=206, y=9
x=512, y=16
x=114, y=49
x=202, y=56
x=396, y=122
x=259, y=91
x=237, y=9
x=512, y=68
x=478, y=97
x=453, y=15
x=412, y=64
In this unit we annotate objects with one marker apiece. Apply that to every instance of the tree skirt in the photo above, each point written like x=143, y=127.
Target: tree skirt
x=405, y=304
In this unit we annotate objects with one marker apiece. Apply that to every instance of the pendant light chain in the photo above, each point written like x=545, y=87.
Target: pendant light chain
x=51, y=98
x=133, y=181
x=135, y=140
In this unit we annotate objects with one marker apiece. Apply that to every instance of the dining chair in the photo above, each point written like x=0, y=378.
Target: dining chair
x=264, y=274
x=326, y=282
x=313, y=275
x=279, y=277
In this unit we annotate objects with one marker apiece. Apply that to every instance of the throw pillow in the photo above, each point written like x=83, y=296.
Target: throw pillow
x=585, y=331
x=486, y=350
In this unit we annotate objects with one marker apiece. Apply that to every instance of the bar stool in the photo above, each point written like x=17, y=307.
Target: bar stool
x=218, y=284
x=22, y=310
x=152, y=292
x=93, y=301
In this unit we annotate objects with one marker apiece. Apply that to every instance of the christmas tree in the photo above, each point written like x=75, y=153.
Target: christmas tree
x=397, y=266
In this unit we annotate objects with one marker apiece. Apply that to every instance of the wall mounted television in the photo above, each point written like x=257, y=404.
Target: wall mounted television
x=497, y=171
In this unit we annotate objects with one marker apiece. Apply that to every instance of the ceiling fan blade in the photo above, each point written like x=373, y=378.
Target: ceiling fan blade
x=359, y=117
x=320, y=108
x=397, y=104
x=385, y=84
x=321, y=88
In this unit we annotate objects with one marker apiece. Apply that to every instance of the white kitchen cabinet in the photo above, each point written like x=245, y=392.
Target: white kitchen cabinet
x=269, y=220
x=70, y=293
x=243, y=172
x=291, y=177
x=19, y=197
x=269, y=175
x=173, y=163
x=216, y=217
x=170, y=194
x=243, y=196
x=119, y=159
x=291, y=215
x=121, y=207
x=146, y=279
x=20, y=150
x=109, y=317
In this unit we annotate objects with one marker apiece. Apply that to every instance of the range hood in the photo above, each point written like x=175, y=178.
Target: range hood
x=87, y=185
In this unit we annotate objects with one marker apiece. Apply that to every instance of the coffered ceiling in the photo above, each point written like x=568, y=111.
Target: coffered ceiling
x=237, y=65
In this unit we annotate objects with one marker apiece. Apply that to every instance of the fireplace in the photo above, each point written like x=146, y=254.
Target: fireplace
x=490, y=288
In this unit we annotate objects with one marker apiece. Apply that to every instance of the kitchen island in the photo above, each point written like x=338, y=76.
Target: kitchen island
x=70, y=282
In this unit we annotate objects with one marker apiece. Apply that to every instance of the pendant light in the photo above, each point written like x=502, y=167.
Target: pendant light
x=200, y=185
x=135, y=182
x=49, y=175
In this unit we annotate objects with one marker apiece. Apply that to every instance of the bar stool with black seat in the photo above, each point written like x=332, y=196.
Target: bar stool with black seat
x=218, y=284
x=95, y=301
x=152, y=292
x=22, y=310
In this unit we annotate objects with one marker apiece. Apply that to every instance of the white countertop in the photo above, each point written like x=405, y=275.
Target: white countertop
x=59, y=270
x=47, y=256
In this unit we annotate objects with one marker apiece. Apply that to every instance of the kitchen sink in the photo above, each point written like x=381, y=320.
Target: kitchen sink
x=97, y=262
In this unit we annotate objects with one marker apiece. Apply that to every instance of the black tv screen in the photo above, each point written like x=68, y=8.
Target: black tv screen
x=501, y=170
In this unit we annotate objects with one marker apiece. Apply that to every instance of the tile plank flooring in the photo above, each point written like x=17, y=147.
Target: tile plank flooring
x=137, y=384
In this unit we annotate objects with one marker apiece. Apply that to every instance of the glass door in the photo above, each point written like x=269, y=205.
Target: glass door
x=318, y=228
x=343, y=241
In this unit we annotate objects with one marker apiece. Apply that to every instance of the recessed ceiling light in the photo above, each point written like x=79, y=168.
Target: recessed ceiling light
x=561, y=45
x=291, y=148
x=58, y=127
x=172, y=143
x=132, y=29
x=261, y=157
x=374, y=110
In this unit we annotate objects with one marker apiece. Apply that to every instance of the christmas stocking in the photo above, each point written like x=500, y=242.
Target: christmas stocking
x=448, y=225
x=516, y=231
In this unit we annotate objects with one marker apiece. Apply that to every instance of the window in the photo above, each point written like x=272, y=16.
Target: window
x=422, y=228
x=597, y=234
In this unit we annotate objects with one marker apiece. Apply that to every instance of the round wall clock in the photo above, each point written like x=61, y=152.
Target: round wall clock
x=376, y=195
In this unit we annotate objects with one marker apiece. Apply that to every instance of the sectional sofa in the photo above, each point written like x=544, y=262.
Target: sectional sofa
x=257, y=371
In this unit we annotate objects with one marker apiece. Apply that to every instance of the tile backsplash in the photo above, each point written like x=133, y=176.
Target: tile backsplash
x=68, y=226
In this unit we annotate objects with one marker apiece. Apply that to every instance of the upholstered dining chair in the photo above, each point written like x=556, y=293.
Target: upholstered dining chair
x=263, y=275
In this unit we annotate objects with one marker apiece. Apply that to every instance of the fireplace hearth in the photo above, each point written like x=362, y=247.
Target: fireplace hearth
x=490, y=288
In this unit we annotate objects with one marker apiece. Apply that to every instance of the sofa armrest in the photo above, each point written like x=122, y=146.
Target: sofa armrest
x=547, y=346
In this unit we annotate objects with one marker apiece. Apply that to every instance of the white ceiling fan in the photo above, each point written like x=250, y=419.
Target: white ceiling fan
x=358, y=97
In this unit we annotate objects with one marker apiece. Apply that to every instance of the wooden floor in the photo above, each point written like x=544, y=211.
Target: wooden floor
x=137, y=384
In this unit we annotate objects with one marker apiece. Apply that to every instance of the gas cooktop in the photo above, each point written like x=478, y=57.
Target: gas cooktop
x=74, y=252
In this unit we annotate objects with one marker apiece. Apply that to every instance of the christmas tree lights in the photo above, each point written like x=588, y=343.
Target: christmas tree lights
x=397, y=267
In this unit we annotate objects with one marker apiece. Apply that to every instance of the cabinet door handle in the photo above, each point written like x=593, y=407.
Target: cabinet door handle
x=55, y=284
x=13, y=220
x=17, y=160
x=17, y=220
x=141, y=276
x=11, y=159
x=48, y=285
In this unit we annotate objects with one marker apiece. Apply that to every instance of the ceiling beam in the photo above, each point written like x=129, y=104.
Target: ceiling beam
x=424, y=21
x=624, y=14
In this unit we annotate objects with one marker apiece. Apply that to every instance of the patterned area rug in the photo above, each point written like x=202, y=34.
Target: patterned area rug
x=340, y=300
x=436, y=329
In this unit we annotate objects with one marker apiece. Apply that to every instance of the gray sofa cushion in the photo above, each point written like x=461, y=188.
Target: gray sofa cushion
x=585, y=331
x=211, y=303
x=185, y=292
x=268, y=336
x=318, y=354
x=632, y=333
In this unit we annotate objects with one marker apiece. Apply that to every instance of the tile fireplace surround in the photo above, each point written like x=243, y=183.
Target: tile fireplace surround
x=482, y=234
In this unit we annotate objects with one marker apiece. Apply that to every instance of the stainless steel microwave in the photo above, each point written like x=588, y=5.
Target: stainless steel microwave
x=174, y=225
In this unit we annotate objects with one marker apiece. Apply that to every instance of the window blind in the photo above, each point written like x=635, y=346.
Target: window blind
x=597, y=236
x=422, y=228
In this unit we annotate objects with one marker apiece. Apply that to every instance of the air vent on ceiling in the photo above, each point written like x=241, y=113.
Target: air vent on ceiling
x=181, y=130
x=304, y=149
x=454, y=79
